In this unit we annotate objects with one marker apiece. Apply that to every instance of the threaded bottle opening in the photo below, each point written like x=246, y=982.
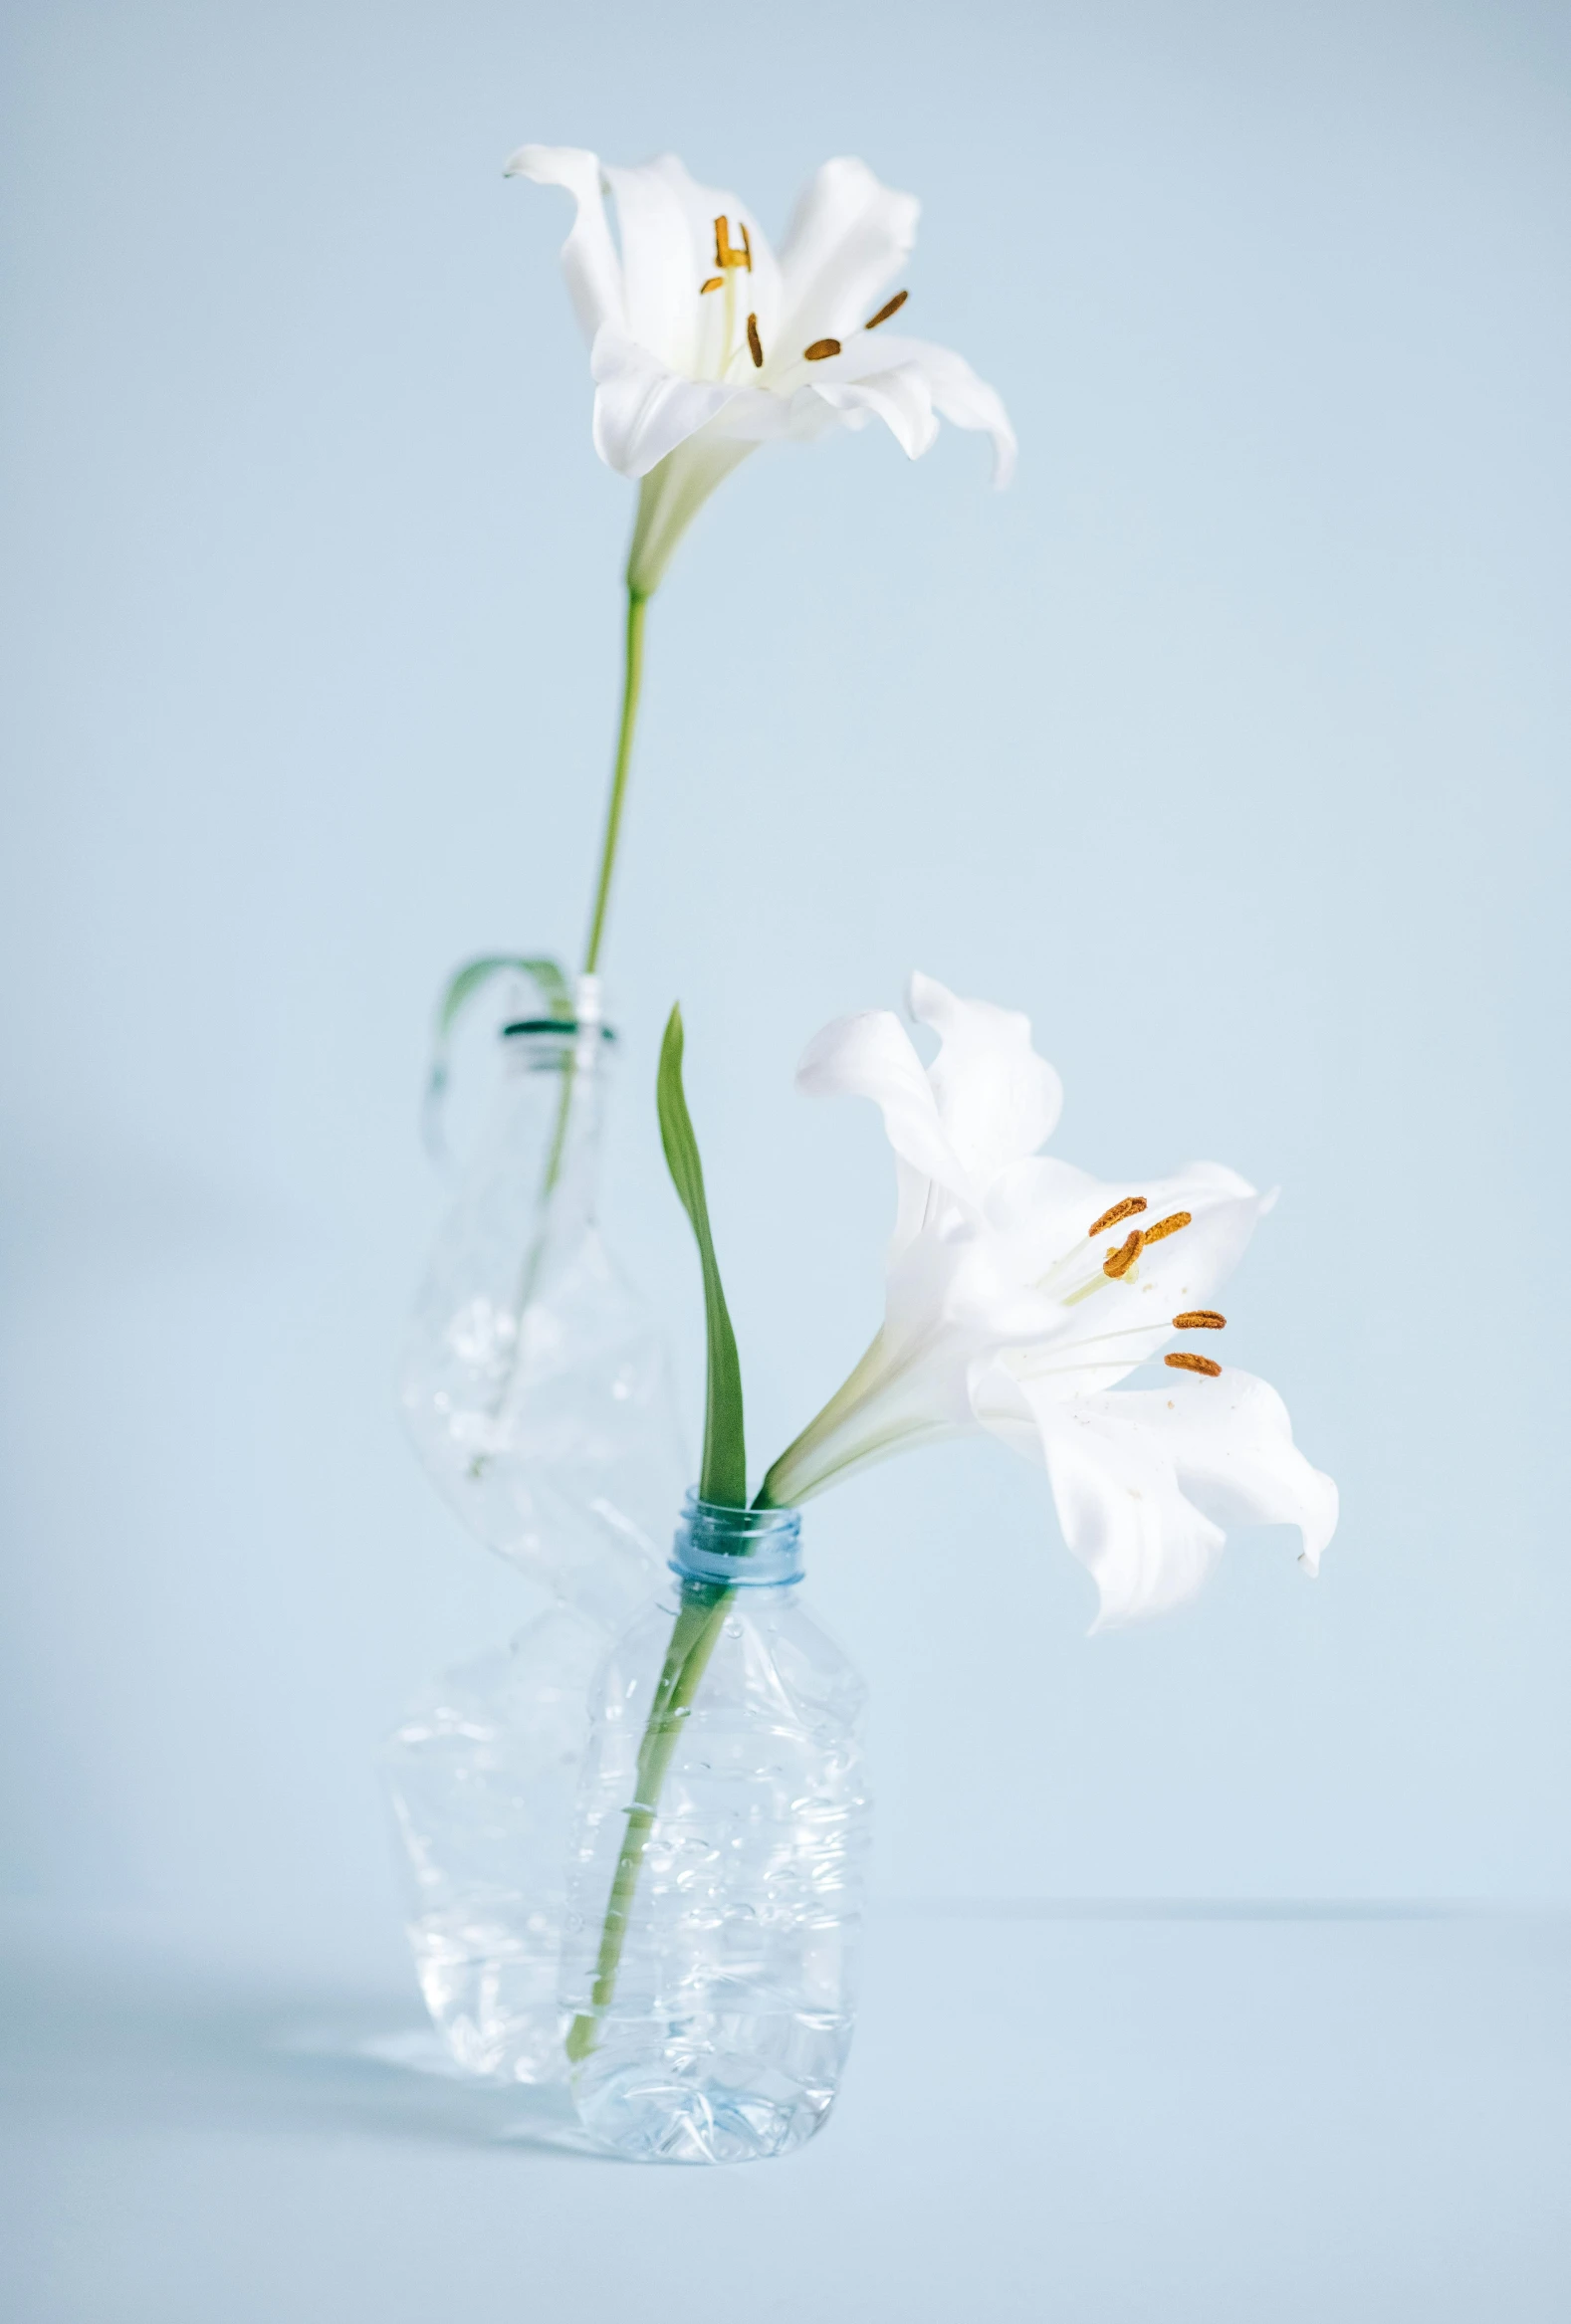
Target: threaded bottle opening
x=743, y=1548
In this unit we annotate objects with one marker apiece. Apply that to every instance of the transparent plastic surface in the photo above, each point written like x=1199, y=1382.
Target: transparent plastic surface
x=482, y=1773
x=535, y=1383
x=537, y=1389
x=726, y=2029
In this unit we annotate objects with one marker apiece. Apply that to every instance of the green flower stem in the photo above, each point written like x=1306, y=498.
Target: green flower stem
x=536, y=1251
x=693, y=1638
x=632, y=687
x=632, y=682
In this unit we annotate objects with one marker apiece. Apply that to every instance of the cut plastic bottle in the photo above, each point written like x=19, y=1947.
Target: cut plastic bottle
x=716, y=1888
x=536, y=1388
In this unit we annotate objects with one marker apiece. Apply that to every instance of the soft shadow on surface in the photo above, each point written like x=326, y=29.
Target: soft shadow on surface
x=113, y=2042
x=102, y=2029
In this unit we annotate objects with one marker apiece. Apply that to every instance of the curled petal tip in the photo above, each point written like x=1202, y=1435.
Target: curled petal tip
x=919, y=988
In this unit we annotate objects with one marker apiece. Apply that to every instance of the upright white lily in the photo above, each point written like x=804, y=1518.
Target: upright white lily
x=1021, y=1292
x=704, y=345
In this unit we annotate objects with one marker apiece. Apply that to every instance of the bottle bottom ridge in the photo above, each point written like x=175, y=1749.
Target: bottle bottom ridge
x=727, y=2086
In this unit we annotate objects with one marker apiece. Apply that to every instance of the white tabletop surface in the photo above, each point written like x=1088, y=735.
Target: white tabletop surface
x=1106, y=2115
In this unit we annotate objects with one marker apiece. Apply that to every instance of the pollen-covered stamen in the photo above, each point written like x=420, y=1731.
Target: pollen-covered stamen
x=1200, y=1319
x=889, y=307
x=1168, y=1225
x=1182, y=1360
x=725, y=254
x=713, y=283
x=1118, y=1262
x=754, y=344
x=1125, y=1209
x=821, y=351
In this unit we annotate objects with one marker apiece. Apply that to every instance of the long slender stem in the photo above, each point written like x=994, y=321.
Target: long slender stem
x=633, y=684
x=552, y=1172
x=699, y=1621
x=702, y=1611
x=633, y=681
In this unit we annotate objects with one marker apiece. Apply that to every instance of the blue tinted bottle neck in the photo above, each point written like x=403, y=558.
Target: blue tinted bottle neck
x=737, y=1548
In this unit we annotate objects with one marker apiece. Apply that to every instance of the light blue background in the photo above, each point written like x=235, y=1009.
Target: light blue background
x=1229, y=743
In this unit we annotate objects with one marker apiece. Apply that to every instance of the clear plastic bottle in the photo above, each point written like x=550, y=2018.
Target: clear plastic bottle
x=536, y=1388
x=715, y=1888
x=482, y=1773
x=536, y=1384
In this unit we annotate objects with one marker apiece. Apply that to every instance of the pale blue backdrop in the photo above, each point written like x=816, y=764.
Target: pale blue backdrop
x=1229, y=743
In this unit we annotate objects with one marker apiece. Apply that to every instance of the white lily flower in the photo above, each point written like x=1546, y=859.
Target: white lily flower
x=1021, y=1292
x=703, y=343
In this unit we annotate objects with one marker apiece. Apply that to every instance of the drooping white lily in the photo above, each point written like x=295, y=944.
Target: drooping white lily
x=704, y=343
x=1022, y=1292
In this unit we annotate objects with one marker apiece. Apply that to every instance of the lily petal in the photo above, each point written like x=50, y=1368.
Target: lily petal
x=1044, y=1211
x=642, y=409
x=1047, y=1205
x=898, y=1398
x=997, y=1099
x=900, y=398
x=847, y=239
x=671, y=495
x=949, y=387
x=666, y=222
x=871, y=1055
x=965, y=400
x=589, y=256
x=1145, y=1481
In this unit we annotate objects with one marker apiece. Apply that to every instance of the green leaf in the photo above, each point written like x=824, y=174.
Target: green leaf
x=549, y=981
x=724, y=1476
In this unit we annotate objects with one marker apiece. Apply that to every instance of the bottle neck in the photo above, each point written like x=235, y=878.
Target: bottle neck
x=738, y=1549
x=555, y=1074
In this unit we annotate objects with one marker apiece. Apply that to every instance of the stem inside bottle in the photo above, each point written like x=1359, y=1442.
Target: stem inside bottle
x=697, y=1628
x=763, y=1547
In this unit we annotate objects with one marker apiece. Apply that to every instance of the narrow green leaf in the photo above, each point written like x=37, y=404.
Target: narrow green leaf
x=549, y=979
x=724, y=1476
